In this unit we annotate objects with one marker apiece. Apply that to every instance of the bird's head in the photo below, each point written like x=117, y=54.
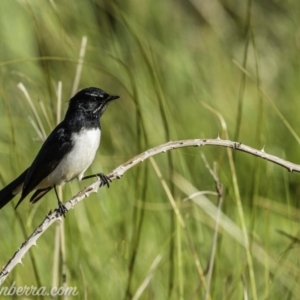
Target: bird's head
x=90, y=101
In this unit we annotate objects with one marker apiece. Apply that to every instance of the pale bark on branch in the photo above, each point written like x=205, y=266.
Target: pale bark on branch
x=119, y=172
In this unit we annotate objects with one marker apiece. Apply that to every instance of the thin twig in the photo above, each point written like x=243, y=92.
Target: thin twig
x=219, y=189
x=36, y=115
x=79, y=65
x=149, y=277
x=119, y=172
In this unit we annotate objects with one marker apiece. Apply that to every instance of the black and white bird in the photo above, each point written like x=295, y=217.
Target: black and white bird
x=67, y=152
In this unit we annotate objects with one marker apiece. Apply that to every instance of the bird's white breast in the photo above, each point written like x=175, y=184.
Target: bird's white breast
x=75, y=163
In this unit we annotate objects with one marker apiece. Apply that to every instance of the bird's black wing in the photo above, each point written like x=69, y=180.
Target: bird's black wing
x=56, y=146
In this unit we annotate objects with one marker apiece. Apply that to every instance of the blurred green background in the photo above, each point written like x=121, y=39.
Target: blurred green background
x=178, y=66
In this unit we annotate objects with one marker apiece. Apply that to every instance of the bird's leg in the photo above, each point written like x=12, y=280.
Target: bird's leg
x=105, y=180
x=61, y=207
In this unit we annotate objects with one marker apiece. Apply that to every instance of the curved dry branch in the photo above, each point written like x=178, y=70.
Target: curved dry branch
x=119, y=172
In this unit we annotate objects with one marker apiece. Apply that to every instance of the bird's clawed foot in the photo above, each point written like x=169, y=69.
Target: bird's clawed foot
x=61, y=209
x=105, y=180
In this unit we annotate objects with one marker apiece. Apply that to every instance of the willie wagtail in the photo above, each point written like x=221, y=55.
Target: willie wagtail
x=67, y=152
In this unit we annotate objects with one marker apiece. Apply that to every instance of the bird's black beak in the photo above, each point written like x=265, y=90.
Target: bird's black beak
x=112, y=97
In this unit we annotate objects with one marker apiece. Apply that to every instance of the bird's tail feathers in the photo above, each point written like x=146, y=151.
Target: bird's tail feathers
x=12, y=189
x=39, y=194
